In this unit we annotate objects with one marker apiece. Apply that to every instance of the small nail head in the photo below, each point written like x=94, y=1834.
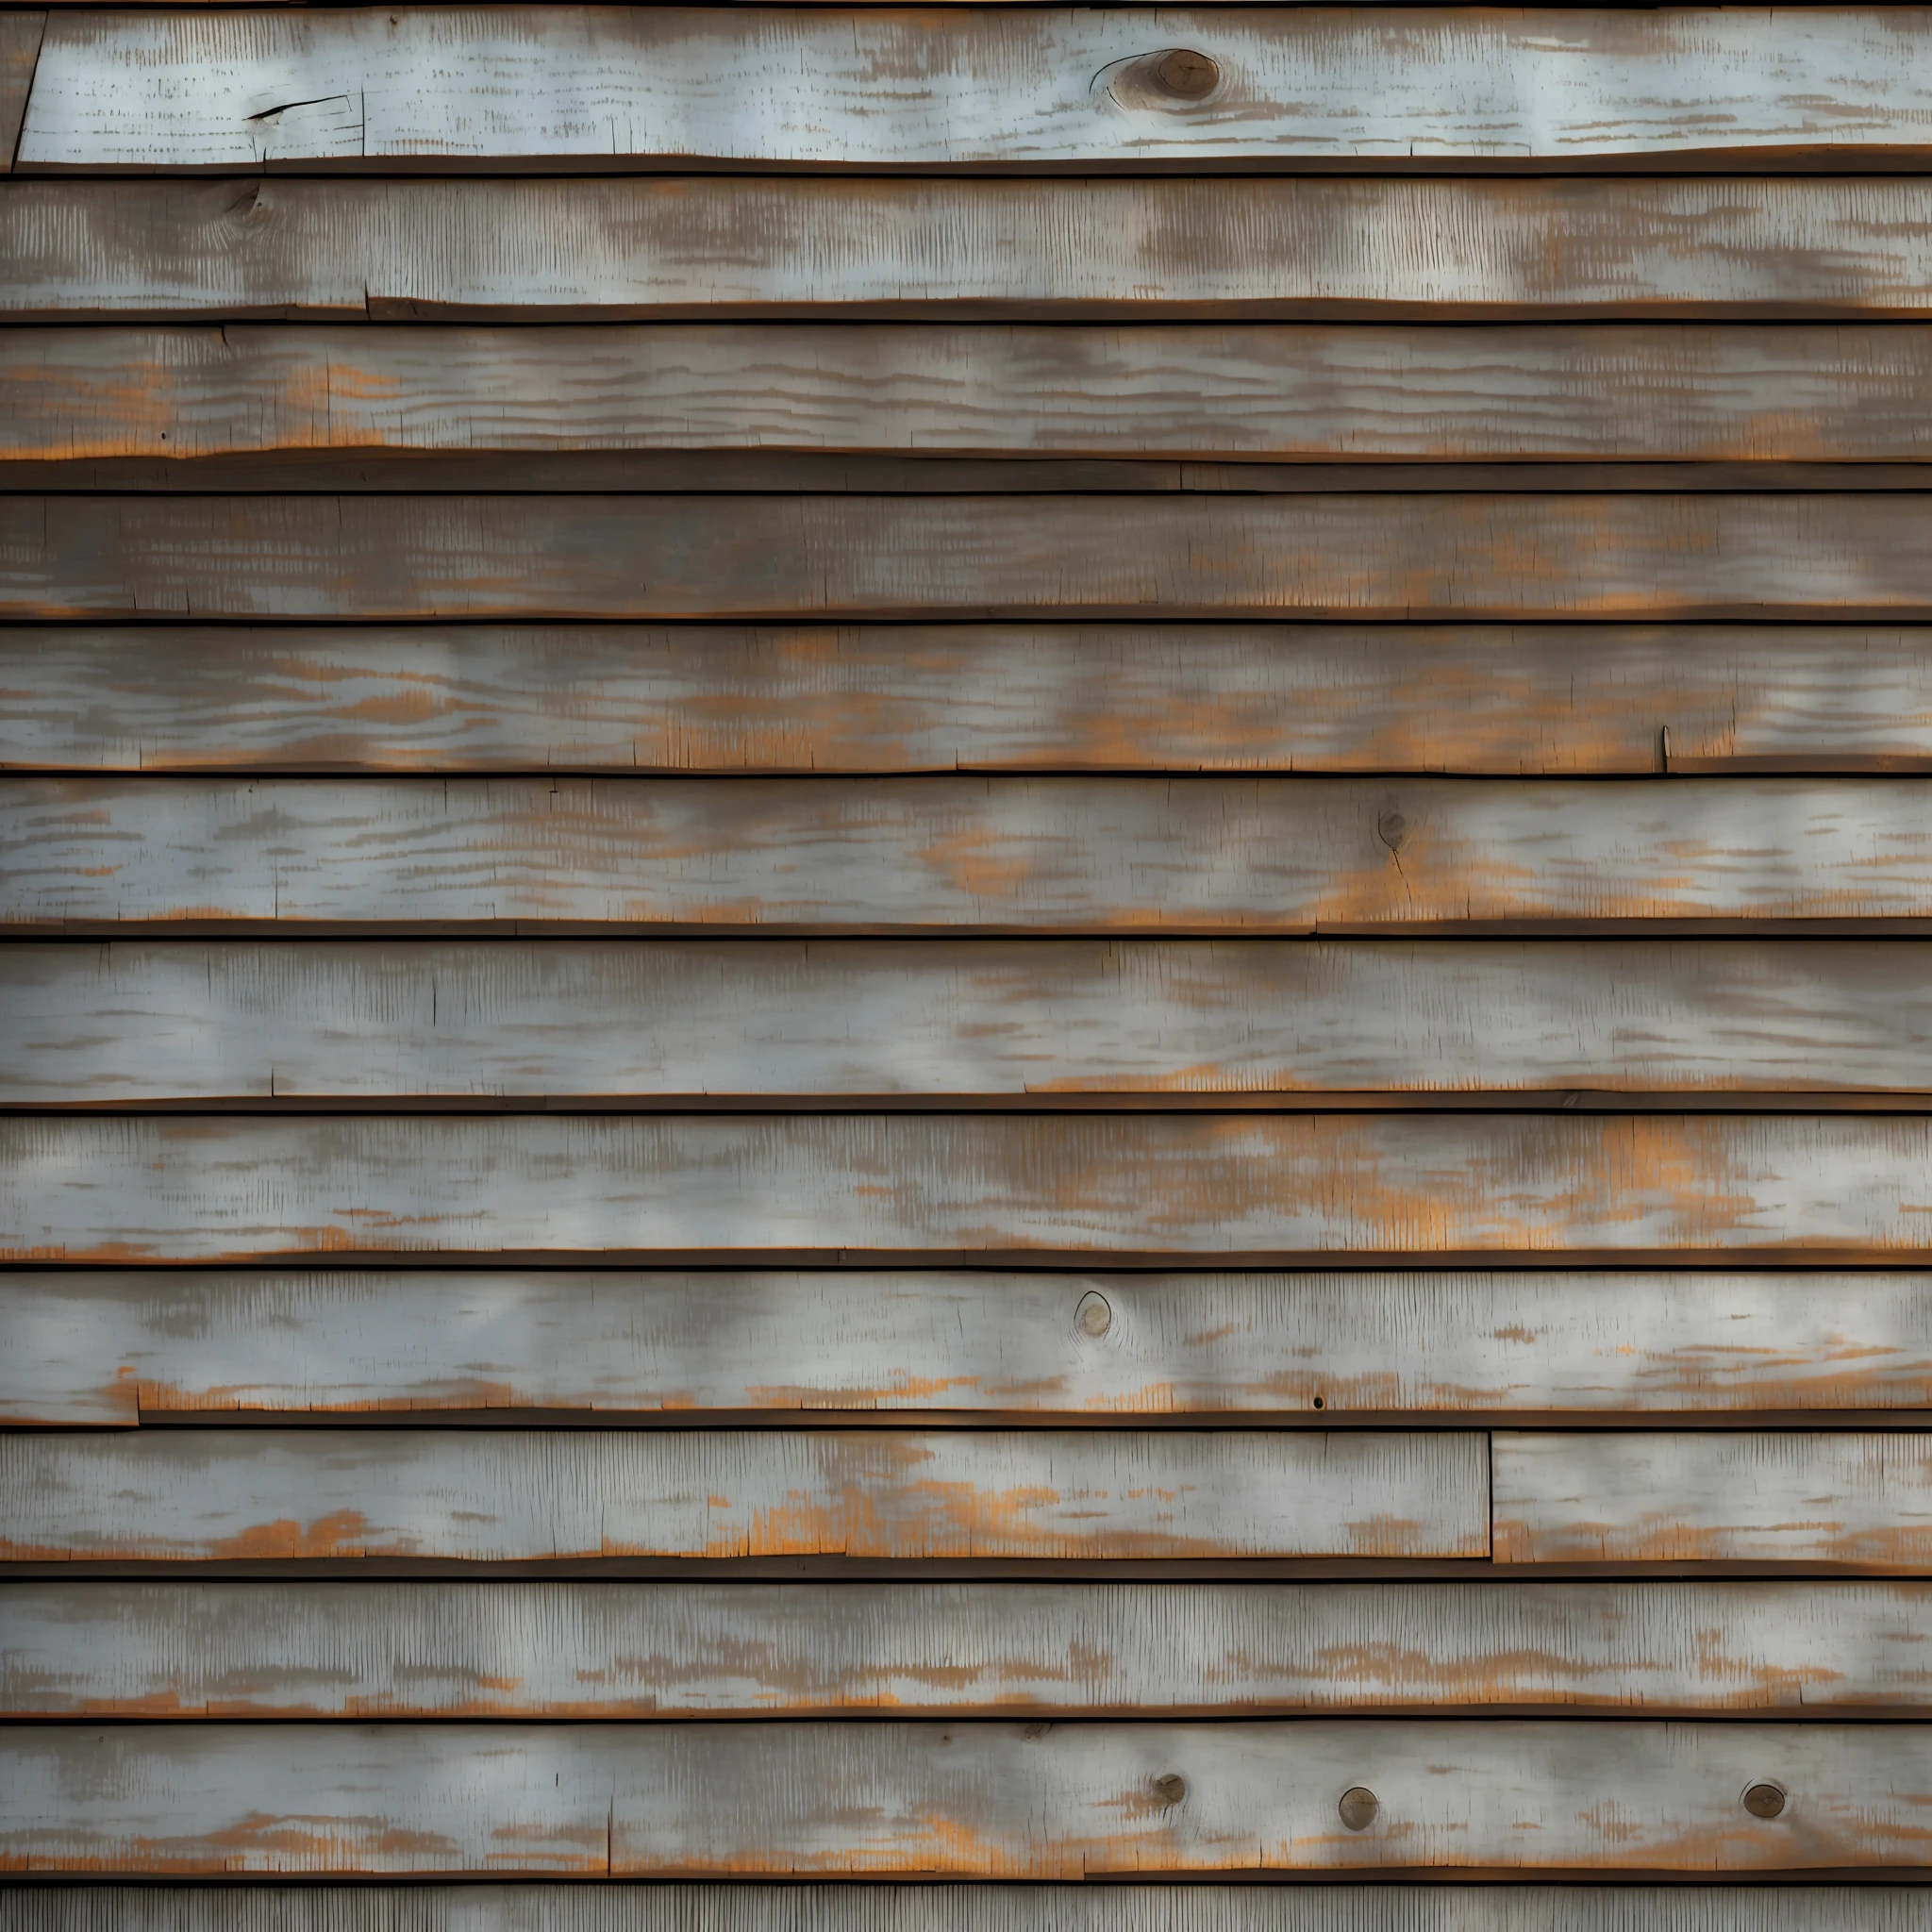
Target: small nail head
x=1359, y=1808
x=1187, y=74
x=1172, y=1787
x=1093, y=1316
x=1764, y=1800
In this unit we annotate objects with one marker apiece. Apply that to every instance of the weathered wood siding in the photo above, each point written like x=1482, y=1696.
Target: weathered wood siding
x=842, y=249
x=1545, y=699
x=113, y=1349
x=988, y=1800
x=742, y=1650
x=582, y=86
x=980, y=945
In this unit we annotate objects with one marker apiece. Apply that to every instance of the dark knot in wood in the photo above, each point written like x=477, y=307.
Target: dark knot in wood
x=1172, y=1788
x=1359, y=1808
x=1764, y=1800
x=1186, y=75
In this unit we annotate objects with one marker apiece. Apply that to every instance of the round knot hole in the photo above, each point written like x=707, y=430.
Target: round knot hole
x=1093, y=1316
x=1359, y=1808
x=1764, y=1800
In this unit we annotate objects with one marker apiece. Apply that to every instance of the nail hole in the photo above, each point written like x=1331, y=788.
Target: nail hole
x=1093, y=1316
x=1321, y=1402
x=1764, y=1800
x=1186, y=73
x=1173, y=1788
x=1359, y=1808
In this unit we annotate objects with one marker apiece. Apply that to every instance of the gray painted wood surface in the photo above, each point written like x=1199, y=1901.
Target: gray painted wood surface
x=19, y=45
x=1393, y=557
x=948, y=855
x=992, y=1800
x=575, y=1906
x=1859, y=1500
x=1528, y=699
x=494, y=1497
x=95, y=1349
x=743, y=1650
x=872, y=1189
x=1676, y=392
x=428, y=87
x=447, y=250
x=1044, y=1022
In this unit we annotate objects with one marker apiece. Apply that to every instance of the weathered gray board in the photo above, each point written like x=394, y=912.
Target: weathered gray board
x=1044, y=1022
x=609, y=249
x=1844, y=554
x=1607, y=392
x=1105, y=855
x=587, y=86
x=111, y=1349
x=873, y=1188
x=105, y=1649
x=1707, y=1497
x=575, y=1906
x=1521, y=700
x=512, y=1496
x=981, y=1800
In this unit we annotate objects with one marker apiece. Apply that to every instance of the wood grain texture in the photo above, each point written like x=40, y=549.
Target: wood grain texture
x=113, y=1349
x=590, y=86
x=1529, y=699
x=606, y=250
x=20, y=46
x=1861, y=1501
x=135, y=1022
x=995, y=1800
x=112, y=1192
x=1238, y=390
x=473, y=1496
x=947, y=856
x=1845, y=555
x=577, y=1906
x=741, y=1650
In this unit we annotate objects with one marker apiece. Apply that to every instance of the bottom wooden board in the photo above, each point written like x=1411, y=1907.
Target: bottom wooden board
x=1037, y=1800
x=968, y=1909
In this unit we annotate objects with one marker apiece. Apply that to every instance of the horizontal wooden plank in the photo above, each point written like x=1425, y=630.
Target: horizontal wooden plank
x=1859, y=1500
x=580, y=1906
x=742, y=1650
x=178, y=1496
x=1050, y=1022
x=112, y=1192
x=1528, y=699
x=95, y=1349
x=1249, y=392
x=931, y=855
x=1848, y=555
x=600, y=86
x=994, y=1800
x=577, y=1906
x=609, y=249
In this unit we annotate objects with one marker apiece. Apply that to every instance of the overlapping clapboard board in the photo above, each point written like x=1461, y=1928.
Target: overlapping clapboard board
x=1043, y=894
